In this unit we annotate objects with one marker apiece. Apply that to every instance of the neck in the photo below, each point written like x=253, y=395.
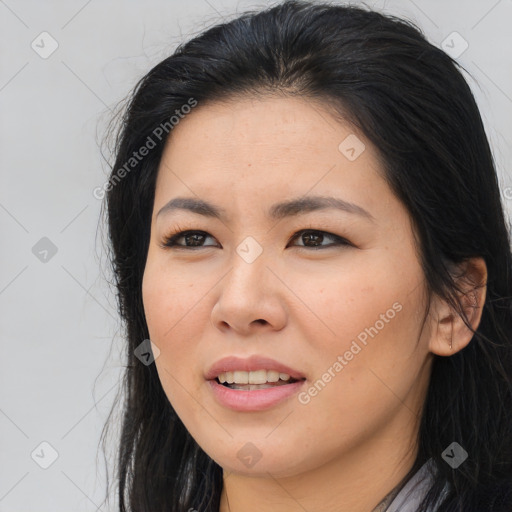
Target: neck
x=364, y=480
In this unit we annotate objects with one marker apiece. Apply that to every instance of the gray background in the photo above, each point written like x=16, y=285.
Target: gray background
x=59, y=375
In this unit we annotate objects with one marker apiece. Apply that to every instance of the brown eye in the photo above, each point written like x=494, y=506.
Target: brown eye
x=191, y=239
x=313, y=239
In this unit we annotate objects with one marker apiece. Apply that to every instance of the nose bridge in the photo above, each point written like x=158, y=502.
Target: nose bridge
x=246, y=294
x=248, y=267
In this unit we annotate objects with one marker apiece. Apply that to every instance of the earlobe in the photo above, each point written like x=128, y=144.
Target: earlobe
x=450, y=334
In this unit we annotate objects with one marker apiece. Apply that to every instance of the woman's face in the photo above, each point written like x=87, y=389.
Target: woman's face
x=330, y=293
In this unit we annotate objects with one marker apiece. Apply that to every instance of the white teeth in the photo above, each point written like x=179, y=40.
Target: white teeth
x=255, y=377
x=241, y=377
x=272, y=376
x=258, y=377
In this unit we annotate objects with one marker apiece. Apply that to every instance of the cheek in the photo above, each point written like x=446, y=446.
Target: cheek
x=176, y=310
x=168, y=297
x=342, y=306
x=372, y=320
x=169, y=307
x=364, y=375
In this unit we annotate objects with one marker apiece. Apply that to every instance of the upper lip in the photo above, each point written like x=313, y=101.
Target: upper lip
x=248, y=364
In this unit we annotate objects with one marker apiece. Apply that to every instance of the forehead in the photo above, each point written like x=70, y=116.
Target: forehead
x=278, y=123
x=273, y=139
x=248, y=154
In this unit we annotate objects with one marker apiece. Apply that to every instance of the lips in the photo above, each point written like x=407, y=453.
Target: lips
x=250, y=364
x=253, y=397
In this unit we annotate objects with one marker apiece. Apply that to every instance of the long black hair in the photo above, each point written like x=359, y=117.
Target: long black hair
x=409, y=99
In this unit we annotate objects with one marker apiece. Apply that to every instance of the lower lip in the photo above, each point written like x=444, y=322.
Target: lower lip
x=256, y=400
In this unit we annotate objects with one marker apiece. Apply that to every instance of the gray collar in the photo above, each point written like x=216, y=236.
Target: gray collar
x=411, y=495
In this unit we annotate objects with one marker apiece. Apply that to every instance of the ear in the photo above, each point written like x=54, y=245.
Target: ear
x=449, y=333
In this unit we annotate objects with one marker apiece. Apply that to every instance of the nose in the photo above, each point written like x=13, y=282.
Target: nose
x=250, y=298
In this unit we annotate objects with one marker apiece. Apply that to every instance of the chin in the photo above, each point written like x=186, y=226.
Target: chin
x=260, y=458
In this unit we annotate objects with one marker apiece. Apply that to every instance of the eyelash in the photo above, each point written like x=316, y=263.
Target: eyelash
x=169, y=242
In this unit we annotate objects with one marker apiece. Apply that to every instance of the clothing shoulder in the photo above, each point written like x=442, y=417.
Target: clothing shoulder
x=496, y=497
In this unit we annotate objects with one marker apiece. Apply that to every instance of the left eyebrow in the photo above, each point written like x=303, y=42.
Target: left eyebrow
x=290, y=208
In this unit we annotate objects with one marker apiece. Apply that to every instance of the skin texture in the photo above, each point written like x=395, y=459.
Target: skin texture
x=354, y=440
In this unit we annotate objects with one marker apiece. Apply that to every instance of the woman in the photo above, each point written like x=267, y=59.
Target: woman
x=368, y=373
